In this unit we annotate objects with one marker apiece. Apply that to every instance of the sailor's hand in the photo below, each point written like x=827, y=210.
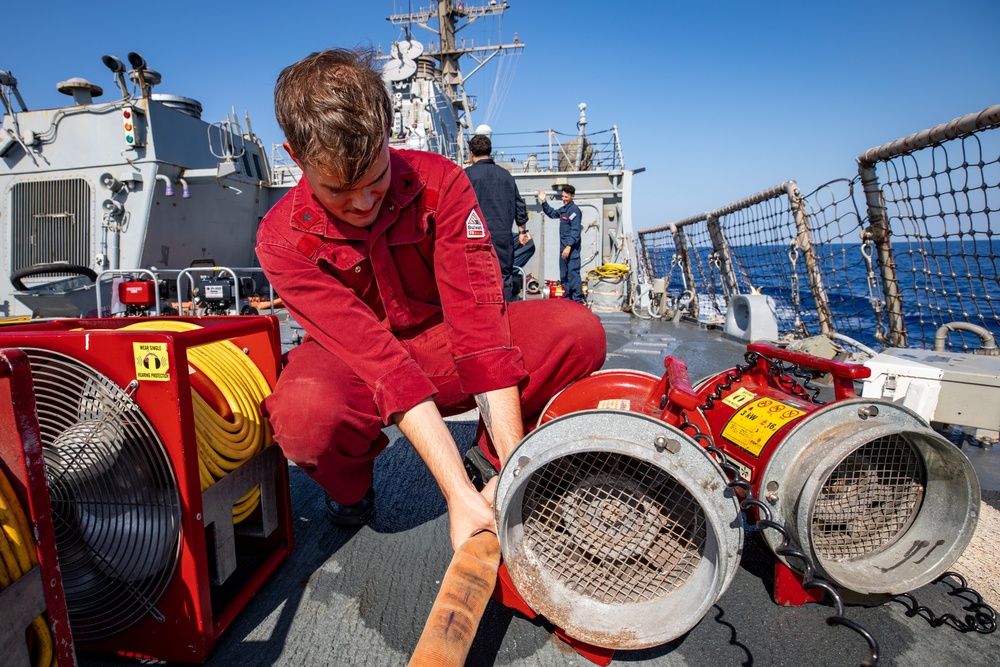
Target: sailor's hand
x=470, y=514
x=540, y=194
x=565, y=252
x=523, y=238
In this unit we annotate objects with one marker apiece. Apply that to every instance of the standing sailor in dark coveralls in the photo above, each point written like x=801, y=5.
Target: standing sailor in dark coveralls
x=383, y=258
x=570, y=218
x=500, y=203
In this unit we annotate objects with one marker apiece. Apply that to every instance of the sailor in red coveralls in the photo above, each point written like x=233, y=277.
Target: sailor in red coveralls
x=383, y=257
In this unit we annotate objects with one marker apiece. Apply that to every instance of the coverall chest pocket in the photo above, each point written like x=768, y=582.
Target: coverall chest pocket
x=346, y=264
x=484, y=273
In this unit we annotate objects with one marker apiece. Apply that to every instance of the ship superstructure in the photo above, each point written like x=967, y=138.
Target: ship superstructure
x=142, y=181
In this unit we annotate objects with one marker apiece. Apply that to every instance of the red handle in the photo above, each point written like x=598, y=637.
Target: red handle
x=843, y=373
x=677, y=387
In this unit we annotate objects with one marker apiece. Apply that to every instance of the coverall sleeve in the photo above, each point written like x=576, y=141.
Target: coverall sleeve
x=339, y=321
x=549, y=211
x=472, y=294
x=520, y=209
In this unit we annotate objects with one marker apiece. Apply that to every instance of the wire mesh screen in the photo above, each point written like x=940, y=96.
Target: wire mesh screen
x=942, y=204
x=613, y=528
x=869, y=500
x=850, y=278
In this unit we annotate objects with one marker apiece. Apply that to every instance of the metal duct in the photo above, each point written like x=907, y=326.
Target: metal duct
x=882, y=503
x=617, y=528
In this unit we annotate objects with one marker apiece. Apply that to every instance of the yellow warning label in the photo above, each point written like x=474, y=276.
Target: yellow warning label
x=757, y=422
x=739, y=397
x=151, y=361
x=615, y=404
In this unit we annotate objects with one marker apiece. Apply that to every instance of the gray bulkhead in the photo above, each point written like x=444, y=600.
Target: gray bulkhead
x=82, y=194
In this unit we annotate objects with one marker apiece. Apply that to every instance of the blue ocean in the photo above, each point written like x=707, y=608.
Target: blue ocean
x=939, y=282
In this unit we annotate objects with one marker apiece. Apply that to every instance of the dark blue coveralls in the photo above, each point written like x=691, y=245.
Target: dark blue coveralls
x=501, y=205
x=569, y=235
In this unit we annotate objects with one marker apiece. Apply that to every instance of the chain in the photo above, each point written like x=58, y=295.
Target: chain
x=793, y=257
x=982, y=617
x=809, y=580
x=713, y=264
x=806, y=390
x=868, y=251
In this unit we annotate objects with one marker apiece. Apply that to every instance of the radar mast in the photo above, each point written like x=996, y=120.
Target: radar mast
x=451, y=17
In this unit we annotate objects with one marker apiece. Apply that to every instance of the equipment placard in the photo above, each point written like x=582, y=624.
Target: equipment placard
x=615, y=404
x=738, y=398
x=757, y=422
x=745, y=472
x=151, y=362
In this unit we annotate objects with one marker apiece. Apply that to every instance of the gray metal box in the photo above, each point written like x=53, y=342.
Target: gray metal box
x=947, y=387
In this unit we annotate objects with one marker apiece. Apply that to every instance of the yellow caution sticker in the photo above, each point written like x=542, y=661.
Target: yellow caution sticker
x=151, y=361
x=757, y=422
x=739, y=398
x=615, y=404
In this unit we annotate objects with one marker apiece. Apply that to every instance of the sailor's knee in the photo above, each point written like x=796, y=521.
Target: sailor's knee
x=309, y=421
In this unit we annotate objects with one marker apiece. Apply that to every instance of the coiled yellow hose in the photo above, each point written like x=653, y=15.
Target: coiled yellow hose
x=17, y=557
x=608, y=272
x=224, y=445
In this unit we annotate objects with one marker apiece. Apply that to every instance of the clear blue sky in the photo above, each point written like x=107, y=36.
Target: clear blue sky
x=717, y=100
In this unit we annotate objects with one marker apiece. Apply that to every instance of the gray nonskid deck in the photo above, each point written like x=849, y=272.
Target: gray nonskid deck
x=360, y=597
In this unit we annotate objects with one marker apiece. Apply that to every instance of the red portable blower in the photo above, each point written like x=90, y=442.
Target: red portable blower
x=614, y=524
x=878, y=501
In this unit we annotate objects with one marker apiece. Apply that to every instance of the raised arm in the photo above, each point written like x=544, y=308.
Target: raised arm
x=546, y=209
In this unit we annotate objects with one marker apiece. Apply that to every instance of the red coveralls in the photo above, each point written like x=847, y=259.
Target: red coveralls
x=409, y=308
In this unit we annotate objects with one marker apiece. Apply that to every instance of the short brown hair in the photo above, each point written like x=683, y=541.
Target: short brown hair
x=335, y=111
x=480, y=145
x=569, y=189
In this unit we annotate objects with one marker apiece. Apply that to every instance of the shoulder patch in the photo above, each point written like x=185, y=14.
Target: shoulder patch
x=307, y=217
x=474, y=226
x=572, y=216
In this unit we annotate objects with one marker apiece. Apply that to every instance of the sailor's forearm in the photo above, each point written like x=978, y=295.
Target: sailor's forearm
x=427, y=432
x=500, y=411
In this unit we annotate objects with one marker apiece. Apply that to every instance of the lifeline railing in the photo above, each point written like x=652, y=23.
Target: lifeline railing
x=888, y=257
x=558, y=151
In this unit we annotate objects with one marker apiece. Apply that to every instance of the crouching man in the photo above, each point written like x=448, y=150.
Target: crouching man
x=382, y=256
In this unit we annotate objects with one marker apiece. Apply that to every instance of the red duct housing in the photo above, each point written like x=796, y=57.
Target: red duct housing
x=207, y=569
x=40, y=590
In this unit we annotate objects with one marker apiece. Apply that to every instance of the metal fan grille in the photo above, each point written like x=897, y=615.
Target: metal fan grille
x=869, y=499
x=115, y=502
x=613, y=528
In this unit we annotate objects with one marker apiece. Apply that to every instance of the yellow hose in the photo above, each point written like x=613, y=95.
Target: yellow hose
x=224, y=445
x=17, y=557
x=608, y=272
